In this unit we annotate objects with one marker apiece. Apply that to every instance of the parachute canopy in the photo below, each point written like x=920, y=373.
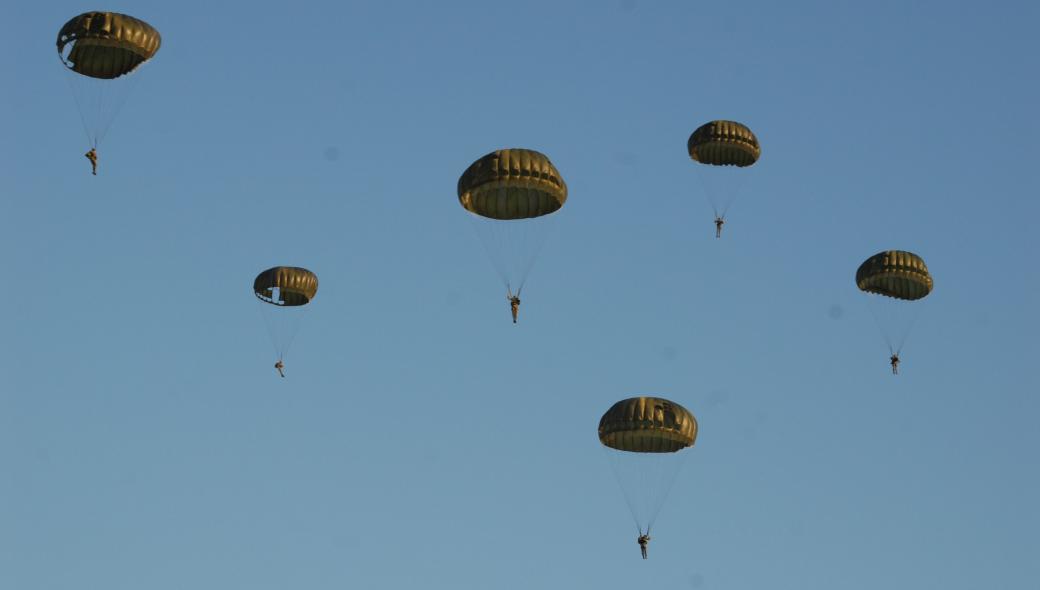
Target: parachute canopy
x=512, y=184
x=895, y=273
x=106, y=45
x=647, y=425
x=724, y=143
x=295, y=286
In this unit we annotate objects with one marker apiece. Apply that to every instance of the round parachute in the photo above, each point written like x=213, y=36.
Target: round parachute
x=896, y=274
x=106, y=45
x=724, y=143
x=295, y=286
x=647, y=425
x=512, y=184
x=641, y=437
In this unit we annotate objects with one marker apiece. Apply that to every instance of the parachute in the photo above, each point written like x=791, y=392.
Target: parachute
x=896, y=274
x=512, y=195
x=724, y=149
x=285, y=291
x=101, y=49
x=894, y=279
x=512, y=184
x=724, y=143
x=642, y=437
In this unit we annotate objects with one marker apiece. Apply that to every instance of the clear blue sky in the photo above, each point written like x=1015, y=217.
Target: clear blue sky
x=421, y=439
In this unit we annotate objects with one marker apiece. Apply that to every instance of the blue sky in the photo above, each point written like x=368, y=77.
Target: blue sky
x=421, y=439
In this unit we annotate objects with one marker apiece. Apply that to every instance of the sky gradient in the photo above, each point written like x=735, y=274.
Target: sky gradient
x=421, y=439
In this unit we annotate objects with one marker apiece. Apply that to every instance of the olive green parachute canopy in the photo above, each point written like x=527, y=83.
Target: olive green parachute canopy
x=512, y=184
x=296, y=286
x=724, y=143
x=647, y=425
x=107, y=44
x=895, y=273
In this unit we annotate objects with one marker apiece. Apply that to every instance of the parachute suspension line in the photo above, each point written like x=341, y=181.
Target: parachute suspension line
x=724, y=204
x=615, y=468
x=667, y=478
x=710, y=192
x=721, y=186
x=99, y=102
x=880, y=323
x=895, y=319
x=128, y=83
x=725, y=209
x=512, y=246
x=283, y=324
x=94, y=99
x=714, y=208
x=901, y=340
x=295, y=329
x=711, y=201
x=735, y=189
x=546, y=227
x=491, y=242
x=100, y=112
x=645, y=480
x=79, y=107
x=271, y=331
x=539, y=236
